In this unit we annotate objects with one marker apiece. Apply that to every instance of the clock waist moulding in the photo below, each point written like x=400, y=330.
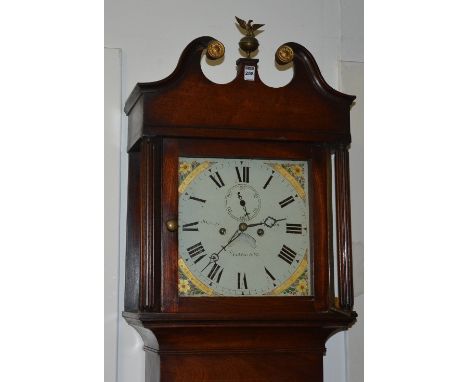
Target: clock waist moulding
x=226, y=338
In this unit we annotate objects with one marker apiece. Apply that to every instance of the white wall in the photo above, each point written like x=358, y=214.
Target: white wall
x=352, y=74
x=352, y=30
x=112, y=132
x=152, y=34
x=352, y=82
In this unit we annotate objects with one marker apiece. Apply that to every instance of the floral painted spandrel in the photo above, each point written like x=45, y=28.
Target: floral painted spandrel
x=187, y=288
x=297, y=171
x=185, y=168
x=300, y=287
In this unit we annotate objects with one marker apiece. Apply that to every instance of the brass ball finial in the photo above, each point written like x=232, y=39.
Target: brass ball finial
x=215, y=50
x=284, y=55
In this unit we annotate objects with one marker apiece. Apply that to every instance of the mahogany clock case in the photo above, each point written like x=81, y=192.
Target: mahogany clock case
x=188, y=115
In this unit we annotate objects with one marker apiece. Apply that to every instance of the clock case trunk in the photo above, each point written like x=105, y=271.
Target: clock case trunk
x=235, y=338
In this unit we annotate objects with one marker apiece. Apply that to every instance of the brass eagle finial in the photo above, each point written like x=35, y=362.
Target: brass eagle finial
x=248, y=43
x=249, y=28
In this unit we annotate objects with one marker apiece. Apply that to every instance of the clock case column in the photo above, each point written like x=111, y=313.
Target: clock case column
x=222, y=338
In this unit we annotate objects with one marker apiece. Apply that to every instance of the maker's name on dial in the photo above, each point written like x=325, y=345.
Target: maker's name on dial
x=249, y=254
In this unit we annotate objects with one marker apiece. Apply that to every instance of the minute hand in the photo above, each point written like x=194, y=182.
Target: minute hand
x=233, y=237
x=215, y=256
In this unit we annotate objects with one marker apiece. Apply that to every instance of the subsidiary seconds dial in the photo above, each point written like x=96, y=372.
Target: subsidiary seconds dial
x=243, y=227
x=242, y=202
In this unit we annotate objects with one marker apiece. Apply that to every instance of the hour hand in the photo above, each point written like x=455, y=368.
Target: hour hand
x=269, y=222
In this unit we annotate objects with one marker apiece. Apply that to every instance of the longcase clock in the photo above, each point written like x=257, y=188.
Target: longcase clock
x=230, y=266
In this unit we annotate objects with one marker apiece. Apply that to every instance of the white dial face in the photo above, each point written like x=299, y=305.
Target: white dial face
x=243, y=227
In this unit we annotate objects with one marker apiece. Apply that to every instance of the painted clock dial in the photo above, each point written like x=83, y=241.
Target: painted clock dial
x=243, y=227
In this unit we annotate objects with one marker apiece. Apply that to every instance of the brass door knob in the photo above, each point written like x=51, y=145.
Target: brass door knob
x=171, y=225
